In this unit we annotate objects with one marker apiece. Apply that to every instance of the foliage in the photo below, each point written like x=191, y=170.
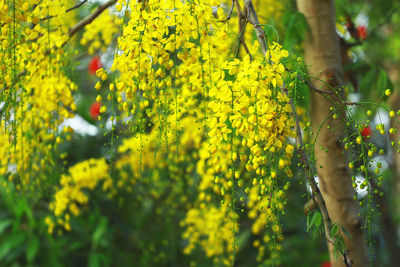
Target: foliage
x=194, y=162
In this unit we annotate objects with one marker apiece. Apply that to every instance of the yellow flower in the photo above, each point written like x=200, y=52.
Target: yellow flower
x=98, y=86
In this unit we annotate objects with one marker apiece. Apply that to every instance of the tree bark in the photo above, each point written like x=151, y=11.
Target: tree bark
x=388, y=219
x=322, y=52
x=394, y=101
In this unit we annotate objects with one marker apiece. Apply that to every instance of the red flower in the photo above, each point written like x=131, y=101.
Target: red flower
x=366, y=131
x=362, y=32
x=94, y=65
x=326, y=264
x=94, y=110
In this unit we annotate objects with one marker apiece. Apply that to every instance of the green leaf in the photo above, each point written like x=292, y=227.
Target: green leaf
x=75, y=245
x=339, y=245
x=295, y=30
x=381, y=81
x=345, y=232
x=94, y=259
x=302, y=95
x=4, y=224
x=334, y=230
x=32, y=248
x=98, y=259
x=12, y=241
x=99, y=232
x=20, y=207
x=316, y=220
x=367, y=82
x=336, y=246
x=309, y=216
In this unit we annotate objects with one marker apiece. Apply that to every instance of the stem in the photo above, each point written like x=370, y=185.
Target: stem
x=299, y=140
x=77, y=27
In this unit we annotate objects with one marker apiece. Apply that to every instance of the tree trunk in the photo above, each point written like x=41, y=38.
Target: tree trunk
x=393, y=72
x=322, y=52
x=388, y=219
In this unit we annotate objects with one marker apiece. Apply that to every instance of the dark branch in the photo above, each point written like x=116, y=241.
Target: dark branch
x=253, y=19
x=352, y=104
x=76, y=6
x=299, y=140
x=74, y=29
x=242, y=27
x=231, y=10
x=68, y=10
x=322, y=92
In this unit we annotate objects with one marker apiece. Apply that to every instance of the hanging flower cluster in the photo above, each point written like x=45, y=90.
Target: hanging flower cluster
x=36, y=95
x=99, y=34
x=198, y=116
x=71, y=196
x=179, y=88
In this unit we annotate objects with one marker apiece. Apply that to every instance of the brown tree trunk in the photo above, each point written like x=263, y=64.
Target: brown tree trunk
x=388, y=218
x=322, y=52
x=393, y=71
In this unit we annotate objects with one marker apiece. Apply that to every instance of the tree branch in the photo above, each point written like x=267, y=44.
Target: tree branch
x=316, y=193
x=322, y=92
x=242, y=26
x=77, y=27
x=317, y=196
x=299, y=140
x=68, y=10
x=253, y=19
x=74, y=29
x=76, y=6
x=231, y=10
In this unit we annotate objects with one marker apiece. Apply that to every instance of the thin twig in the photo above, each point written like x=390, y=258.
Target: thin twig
x=316, y=193
x=253, y=19
x=241, y=31
x=352, y=104
x=317, y=196
x=270, y=199
x=68, y=10
x=242, y=28
x=322, y=92
x=76, y=6
x=299, y=141
x=231, y=10
x=74, y=29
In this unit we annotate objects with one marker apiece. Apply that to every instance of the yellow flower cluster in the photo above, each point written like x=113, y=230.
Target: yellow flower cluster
x=99, y=34
x=264, y=210
x=5, y=150
x=71, y=196
x=251, y=107
x=176, y=75
x=184, y=97
x=36, y=93
x=212, y=228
